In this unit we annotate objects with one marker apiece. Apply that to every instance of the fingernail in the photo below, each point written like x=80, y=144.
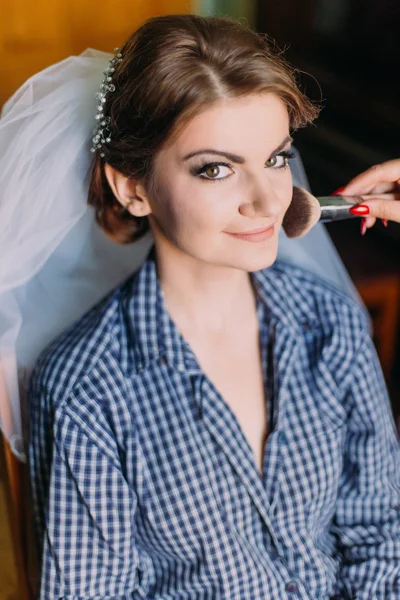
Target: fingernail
x=385, y=223
x=363, y=226
x=360, y=210
x=337, y=192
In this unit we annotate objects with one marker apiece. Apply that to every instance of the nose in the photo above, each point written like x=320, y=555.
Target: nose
x=262, y=200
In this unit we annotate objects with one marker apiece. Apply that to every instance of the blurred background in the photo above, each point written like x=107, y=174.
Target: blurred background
x=348, y=56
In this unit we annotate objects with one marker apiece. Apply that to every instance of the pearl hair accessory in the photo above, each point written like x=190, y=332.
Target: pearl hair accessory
x=102, y=134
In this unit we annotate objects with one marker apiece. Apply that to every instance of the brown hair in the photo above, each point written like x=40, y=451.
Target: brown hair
x=172, y=68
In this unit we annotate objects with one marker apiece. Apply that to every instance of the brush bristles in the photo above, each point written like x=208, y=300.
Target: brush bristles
x=303, y=213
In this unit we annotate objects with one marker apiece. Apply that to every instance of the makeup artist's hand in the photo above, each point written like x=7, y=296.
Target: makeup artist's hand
x=379, y=179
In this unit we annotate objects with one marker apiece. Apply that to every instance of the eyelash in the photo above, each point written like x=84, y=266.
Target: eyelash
x=198, y=170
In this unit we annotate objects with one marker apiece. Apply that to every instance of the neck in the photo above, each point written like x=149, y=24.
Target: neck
x=203, y=297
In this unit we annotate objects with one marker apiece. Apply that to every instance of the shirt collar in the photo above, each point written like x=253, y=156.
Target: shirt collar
x=284, y=298
x=155, y=336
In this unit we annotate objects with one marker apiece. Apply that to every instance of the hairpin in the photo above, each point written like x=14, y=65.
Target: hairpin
x=102, y=133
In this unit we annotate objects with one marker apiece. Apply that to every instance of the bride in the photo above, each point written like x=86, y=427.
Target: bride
x=217, y=426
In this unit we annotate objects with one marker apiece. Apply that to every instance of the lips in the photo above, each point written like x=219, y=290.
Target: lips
x=256, y=235
x=259, y=230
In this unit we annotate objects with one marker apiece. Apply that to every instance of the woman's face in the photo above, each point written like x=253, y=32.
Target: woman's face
x=223, y=177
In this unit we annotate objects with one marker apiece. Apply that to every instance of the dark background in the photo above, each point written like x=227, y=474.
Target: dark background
x=348, y=52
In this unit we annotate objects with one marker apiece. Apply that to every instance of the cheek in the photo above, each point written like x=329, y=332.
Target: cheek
x=283, y=187
x=192, y=207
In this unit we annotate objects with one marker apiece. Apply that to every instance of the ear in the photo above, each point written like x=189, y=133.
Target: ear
x=130, y=192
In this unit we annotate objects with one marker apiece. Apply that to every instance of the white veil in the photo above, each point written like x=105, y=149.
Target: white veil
x=55, y=262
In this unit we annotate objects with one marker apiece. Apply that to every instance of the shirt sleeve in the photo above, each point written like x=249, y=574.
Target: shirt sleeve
x=367, y=518
x=88, y=541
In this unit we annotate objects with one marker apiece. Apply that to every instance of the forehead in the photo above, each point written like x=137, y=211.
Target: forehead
x=259, y=120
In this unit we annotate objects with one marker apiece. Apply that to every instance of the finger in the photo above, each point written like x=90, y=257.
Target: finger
x=370, y=221
x=363, y=226
x=382, y=188
x=384, y=209
x=385, y=175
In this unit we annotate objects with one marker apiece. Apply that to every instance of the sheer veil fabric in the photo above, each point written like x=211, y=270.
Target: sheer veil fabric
x=55, y=262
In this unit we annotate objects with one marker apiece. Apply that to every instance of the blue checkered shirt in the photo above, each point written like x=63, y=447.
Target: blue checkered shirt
x=145, y=486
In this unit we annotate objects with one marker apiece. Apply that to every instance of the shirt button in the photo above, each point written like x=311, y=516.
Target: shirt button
x=291, y=587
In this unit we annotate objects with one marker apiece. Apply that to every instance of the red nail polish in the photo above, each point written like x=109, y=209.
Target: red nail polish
x=360, y=210
x=363, y=226
x=385, y=223
x=337, y=192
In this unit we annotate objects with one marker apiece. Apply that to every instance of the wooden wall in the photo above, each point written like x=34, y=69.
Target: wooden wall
x=36, y=34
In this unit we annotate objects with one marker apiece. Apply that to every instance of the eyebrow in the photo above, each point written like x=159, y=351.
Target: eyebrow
x=235, y=157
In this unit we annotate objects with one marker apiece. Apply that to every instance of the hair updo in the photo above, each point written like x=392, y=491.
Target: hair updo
x=172, y=68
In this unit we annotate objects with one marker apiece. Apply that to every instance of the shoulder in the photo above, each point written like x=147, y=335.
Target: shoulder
x=93, y=344
x=330, y=326
x=304, y=297
x=79, y=386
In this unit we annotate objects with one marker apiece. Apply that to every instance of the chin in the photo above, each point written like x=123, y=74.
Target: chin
x=260, y=256
x=256, y=260
x=252, y=256
x=260, y=263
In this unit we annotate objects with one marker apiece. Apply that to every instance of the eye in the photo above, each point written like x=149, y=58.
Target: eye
x=279, y=161
x=272, y=162
x=214, y=171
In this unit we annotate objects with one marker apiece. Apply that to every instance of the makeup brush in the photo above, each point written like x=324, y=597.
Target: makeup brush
x=306, y=210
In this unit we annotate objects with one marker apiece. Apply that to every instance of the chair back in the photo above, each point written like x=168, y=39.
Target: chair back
x=14, y=475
